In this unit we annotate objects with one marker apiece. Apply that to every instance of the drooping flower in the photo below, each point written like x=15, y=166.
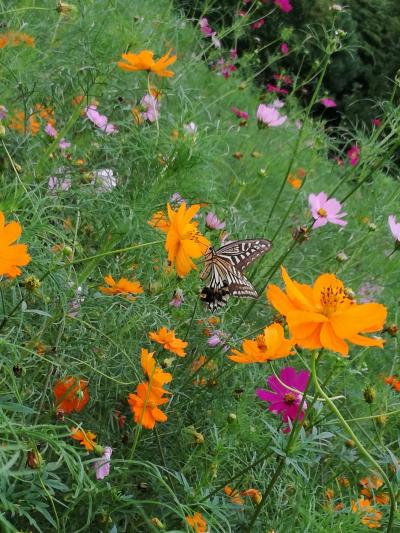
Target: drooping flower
x=190, y=129
x=85, y=438
x=151, y=108
x=144, y=406
x=205, y=28
x=144, y=60
x=71, y=394
x=12, y=256
x=168, y=341
x=353, y=155
x=275, y=89
x=233, y=495
x=328, y=102
x=104, y=180
x=284, y=5
x=258, y=24
x=323, y=316
x=325, y=210
x=56, y=184
x=394, y=227
x=270, y=116
x=177, y=299
x=240, y=114
x=122, y=286
x=101, y=121
x=270, y=345
x=197, y=522
x=370, y=517
x=213, y=222
x=286, y=395
x=102, y=465
x=254, y=494
x=184, y=242
x=284, y=49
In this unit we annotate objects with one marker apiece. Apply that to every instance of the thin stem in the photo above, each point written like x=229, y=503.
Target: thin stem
x=353, y=436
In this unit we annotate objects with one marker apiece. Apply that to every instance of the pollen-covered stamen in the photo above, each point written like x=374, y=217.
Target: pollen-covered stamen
x=289, y=398
x=322, y=212
x=331, y=298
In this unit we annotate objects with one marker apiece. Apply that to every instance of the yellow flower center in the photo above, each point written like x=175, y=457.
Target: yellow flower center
x=331, y=298
x=322, y=212
x=289, y=398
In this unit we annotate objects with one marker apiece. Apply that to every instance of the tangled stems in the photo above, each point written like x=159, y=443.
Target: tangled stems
x=360, y=447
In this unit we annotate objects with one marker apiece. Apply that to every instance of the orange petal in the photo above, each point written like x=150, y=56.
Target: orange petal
x=279, y=300
x=331, y=341
x=360, y=340
x=296, y=293
x=368, y=317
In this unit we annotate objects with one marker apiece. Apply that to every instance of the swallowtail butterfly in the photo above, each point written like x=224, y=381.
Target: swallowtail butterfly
x=223, y=271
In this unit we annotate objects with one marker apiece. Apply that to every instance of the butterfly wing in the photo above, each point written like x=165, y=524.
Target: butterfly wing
x=241, y=254
x=240, y=286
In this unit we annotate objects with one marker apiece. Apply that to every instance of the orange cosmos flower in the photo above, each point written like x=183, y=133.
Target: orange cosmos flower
x=369, y=516
x=169, y=341
x=154, y=373
x=71, y=394
x=269, y=345
x=85, y=438
x=323, y=316
x=233, y=495
x=159, y=221
x=144, y=406
x=369, y=487
x=22, y=124
x=254, y=494
x=184, y=241
x=123, y=286
x=197, y=522
x=144, y=60
x=12, y=256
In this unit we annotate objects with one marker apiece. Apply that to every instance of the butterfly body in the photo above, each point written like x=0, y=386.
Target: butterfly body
x=223, y=271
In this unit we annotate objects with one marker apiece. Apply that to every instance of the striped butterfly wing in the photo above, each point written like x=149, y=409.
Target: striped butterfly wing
x=241, y=254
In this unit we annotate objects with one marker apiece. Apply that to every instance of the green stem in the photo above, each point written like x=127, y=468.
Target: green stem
x=358, y=444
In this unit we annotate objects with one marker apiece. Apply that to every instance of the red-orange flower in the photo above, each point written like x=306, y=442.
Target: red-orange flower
x=123, y=286
x=233, y=495
x=197, y=522
x=254, y=494
x=184, y=242
x=323, y=316
x=144, y=60
x=85, y=438
x=169, y=341
x=268, y=346
x=71, y=394
x=144, y=406
x=370, y=486
x=12, y=256
x=370, y=517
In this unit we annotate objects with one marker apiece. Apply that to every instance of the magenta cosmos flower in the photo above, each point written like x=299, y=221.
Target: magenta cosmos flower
x=353, y=155
x=284, y=5
x=101, y=121
x=328, y=102
x=240, y=114
x=270, y=116
x=284, y=49
x=286, y=393
x=325, y=210
x=394, y=227
x=102, y=465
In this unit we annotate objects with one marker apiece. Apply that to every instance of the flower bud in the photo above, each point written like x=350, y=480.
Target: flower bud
x=64, y=8
x=232, y=418
x=157, y=523
x=262, y=172
x=371, y=226
x=349, y=443
x=381, y=420
x=2, y=130
x=34, y=460
x=31, y=283
x=342, y=257
x=392, y=330
x=369, y=394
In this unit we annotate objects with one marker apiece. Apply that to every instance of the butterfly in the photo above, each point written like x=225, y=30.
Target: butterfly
x=223, y=271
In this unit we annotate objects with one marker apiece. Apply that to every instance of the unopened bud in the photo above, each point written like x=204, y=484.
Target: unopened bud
x=64, y=8
x=31, y=283
x=342, y=257
x=2, y=130
x=392, y=330
x=372, y=226
x=349, y=443
x=232, y=418
x=369, y=394
x=34, y=460
x=381, y=420
x=262, y=172
x=157, y=523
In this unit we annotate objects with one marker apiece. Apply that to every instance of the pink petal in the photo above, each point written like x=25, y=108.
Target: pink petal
x=321, y=221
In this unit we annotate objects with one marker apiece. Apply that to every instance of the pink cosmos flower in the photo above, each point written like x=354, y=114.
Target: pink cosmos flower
x=102, y=465
x=190, y=129
x=275, y=89
x=3, y=112
x=104, y=180
x=50, y=130
x=325, y=210
x=268, y=115
x=207, y=31
x=258, y=24
x=215, y=339
x=286, y=394
x=64, y=144
x=177, y=299
x=368, y=292
x=277, y=103
x=225, y=69
x=56, y=184
x=151, y=108
x=176, y=199
x=353, y=155
x=328, y=102
x=101, y=121
x=240, y=114
x=233, y=53
x=298, y=123
x=284, y=5
x=284, y=49
x=377, y=122
x=213, y=222
x=394, y=227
